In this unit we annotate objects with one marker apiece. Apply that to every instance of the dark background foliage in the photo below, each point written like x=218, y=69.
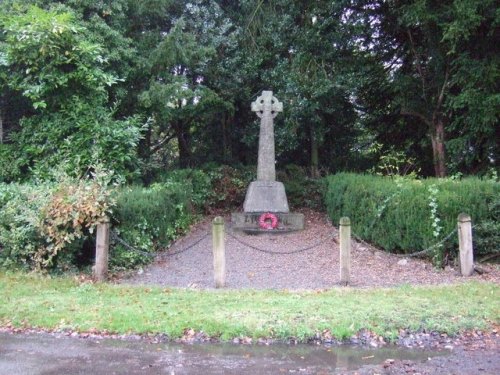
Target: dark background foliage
x=172, y=81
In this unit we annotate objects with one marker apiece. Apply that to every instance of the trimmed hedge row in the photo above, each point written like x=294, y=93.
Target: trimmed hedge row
x=397, y=214
x=147, y=218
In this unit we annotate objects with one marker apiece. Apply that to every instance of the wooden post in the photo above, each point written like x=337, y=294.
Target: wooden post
x=465, y=245
x=219, y=252
x=345, y=250
x=101, y=251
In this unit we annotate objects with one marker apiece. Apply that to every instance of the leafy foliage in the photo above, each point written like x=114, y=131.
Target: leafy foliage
x=302, y=190
x=78, y=136
x=20, y=221
x=434, y=92
x=148, y=219
x=50, y=58
x=487, y=234
x=74, y=210
x=10, y=164
x=396, y=87
x=214, y=187
x=408, y=215
x=228, y=186
x=43, y=225
x=395, y=163
x=419, y=77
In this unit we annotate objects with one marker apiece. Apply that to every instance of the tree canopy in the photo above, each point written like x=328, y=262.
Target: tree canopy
x=147, y=85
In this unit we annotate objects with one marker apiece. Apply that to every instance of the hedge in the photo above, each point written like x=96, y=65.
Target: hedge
x=21, y=208
x=147, y=219
x=47, y=225
x=395, y=213
x=144, y=219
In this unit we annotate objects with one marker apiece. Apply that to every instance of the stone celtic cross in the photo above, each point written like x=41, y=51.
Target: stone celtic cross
x=266, y=107
x=266, y=196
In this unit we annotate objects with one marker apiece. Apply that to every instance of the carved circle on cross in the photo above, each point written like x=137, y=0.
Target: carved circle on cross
x=267, y=103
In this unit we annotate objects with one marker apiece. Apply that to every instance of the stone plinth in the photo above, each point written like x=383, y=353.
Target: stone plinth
x=249, y=222
x=266, y=196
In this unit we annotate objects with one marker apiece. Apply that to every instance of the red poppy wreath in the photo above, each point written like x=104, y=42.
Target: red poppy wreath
x=268, y=221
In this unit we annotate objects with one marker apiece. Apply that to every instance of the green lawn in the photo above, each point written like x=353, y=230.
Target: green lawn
x=37, y=301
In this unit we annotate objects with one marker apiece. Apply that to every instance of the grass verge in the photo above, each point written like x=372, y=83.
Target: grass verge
x=64, y=303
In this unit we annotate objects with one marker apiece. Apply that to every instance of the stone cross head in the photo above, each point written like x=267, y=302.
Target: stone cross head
x=267, y=104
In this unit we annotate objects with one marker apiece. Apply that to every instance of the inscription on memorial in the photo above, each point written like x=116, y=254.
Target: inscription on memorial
x=250, y=221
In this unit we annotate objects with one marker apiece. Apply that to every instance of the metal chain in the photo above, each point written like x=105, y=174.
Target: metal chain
x=115, y=236
x=425, y=251
x=359, y=239
x=320, y=242
x=421, y=252
x=187, y=247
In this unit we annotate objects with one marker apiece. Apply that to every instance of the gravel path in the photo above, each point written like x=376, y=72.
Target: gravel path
x=315, y=268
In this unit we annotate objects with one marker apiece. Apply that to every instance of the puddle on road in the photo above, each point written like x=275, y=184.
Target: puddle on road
x=70, y=355
x=272, y=359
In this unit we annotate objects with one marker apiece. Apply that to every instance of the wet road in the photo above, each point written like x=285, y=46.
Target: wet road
x=47, y=354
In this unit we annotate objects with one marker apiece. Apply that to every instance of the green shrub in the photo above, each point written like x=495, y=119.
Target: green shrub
x=214, y=187
x=229, y=185
x=76, y=138
x=44, y=225
x=74, y=210
x=301, y=190
x=20, y=221
x=196, y=183
x=486, y=235
x=148, y=219
x=408, y=215
x=9, y=164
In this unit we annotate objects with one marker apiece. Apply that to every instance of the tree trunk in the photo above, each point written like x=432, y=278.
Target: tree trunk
x=226, y=139
x=183, y=144
x=436, y=130
x=438, y=148
x=144, y=152
x=1, y=127
x=314, y=154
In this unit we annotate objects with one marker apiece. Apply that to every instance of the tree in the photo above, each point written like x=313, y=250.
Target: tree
x=49, y=59
x=440, y=65
x=413, y=76
x=473, y=99
x=179, y=94
x=298, y=50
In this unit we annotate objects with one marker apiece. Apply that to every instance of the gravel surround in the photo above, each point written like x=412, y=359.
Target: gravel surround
x=315, y=268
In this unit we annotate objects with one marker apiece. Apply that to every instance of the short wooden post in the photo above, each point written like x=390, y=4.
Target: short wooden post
x=345, y=250
x=465, y=245
x=101, y=251
x=219, y=252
